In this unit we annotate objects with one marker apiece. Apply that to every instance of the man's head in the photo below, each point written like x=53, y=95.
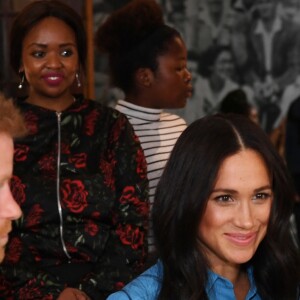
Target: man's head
x=11, y=126
x=266, y=8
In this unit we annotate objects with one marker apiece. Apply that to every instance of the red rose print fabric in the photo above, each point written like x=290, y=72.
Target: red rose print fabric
x=80, y=179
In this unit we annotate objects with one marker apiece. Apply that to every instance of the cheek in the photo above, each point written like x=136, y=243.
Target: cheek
x=264, y=214
x=31, y=68
x=72, y=65
x=264, y=211
x=212, y=220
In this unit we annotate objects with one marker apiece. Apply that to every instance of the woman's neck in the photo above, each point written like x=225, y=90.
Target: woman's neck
x=143, y=100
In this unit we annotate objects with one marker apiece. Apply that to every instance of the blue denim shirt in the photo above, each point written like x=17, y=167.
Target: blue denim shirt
x=220, y=288
x=147, y=286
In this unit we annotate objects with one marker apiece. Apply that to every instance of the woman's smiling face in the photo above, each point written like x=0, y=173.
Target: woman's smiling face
x=236, y=217
x=50, y=59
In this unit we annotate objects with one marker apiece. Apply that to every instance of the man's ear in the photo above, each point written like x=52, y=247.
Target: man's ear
x=144, y=77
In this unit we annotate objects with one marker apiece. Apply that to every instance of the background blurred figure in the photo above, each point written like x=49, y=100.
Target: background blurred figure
x=291, y=10
x=148, y=61
x=216, y=67
x=79, y=174
x=225, y=235
x=206, y=21
x=273, y=45
x=11, y=126
x=211, y=23
x=236, y=102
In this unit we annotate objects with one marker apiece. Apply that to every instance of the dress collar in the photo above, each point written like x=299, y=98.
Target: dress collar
x=215, y=281
x=136, y=111
x=277, y=26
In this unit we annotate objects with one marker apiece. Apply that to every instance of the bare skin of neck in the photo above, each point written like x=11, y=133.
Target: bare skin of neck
x=241, y=286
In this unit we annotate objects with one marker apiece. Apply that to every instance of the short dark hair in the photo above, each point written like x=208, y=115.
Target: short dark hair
x=134, y=37
x=32, y=14
x=209, y=57
x=180, y=202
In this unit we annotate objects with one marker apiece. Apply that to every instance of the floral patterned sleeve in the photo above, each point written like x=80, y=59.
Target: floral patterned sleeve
x=126, y=248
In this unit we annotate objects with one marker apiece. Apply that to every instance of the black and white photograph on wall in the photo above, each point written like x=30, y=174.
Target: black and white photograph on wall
x=232, y=44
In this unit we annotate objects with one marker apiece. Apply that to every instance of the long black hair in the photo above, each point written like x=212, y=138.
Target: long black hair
x=181, y=198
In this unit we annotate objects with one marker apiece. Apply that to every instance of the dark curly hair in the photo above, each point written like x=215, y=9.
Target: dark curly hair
x=133, y=37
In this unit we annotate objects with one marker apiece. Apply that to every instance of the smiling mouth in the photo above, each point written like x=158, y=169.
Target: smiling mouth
x=241, y=239
x=53, y=80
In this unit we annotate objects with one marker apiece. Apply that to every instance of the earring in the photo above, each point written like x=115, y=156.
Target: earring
x=20, y=86
x=78, y=80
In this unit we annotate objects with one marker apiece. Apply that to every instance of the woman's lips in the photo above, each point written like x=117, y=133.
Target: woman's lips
x=240, y=238
x=53, y=79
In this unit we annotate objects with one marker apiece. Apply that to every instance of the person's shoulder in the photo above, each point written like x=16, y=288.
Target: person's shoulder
x=144, y=287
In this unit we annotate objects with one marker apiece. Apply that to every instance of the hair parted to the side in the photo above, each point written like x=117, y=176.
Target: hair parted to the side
x=133, y=37
x=35, y=12
x=181, y=198
x=11, y=119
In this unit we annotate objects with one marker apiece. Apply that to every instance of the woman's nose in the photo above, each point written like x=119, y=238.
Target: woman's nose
x=244, y=216
x=54, y=61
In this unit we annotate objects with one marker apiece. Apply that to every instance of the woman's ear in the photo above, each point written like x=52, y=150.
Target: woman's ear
x=144, y=77
x=21, y=68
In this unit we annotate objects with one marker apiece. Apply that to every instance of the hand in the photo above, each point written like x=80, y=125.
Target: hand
x=72, y=294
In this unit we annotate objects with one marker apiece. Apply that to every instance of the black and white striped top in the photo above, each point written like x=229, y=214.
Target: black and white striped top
x=158, y=132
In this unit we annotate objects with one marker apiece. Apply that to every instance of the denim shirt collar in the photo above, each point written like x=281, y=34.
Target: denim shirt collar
x=218, y=283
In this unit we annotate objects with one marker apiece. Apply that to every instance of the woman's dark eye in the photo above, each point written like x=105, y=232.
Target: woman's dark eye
x=261, y=196
x=66, y=53
x=38, y=54
x=223, y=198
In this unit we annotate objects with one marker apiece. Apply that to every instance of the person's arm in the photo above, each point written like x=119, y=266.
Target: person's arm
x=126, y=248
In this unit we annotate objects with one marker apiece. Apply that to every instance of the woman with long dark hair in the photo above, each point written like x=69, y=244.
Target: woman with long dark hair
x=221, y=218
